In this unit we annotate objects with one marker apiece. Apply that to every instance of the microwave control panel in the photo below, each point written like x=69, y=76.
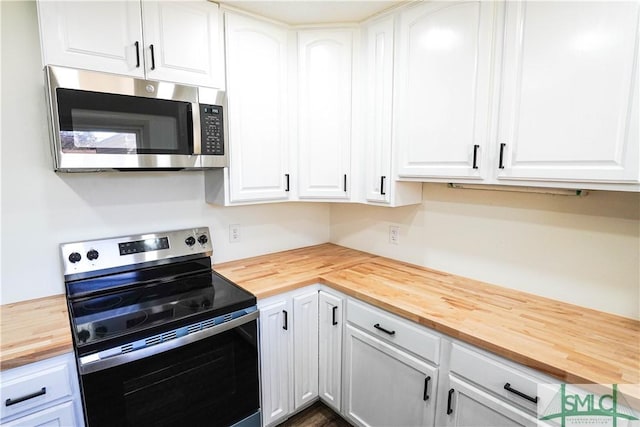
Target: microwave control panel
x=212, y=129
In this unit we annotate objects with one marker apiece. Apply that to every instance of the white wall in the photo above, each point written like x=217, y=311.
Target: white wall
x=41, y=209
x=583, y=250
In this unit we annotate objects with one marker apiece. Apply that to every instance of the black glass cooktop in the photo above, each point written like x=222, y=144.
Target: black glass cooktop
x=137, y=304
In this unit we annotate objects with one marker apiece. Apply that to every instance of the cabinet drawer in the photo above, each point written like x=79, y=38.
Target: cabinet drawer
x=24, y=389
x=493, y=375
x=59, y=415
x=401, y=332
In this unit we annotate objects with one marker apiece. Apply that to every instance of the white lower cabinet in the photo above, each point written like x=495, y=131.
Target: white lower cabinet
x=330, y=311
x=375, y=368
x=60, y=415
x=384, y=385
x=275, y=360
x=288, y=353
x=44, y=393
x=305, y=348
x=467, y=405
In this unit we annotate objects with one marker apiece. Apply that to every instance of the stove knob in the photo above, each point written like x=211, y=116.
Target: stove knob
x=75, y=257
x=190, y=241
x=92, y=255
x=203, y=239
x=83, y=335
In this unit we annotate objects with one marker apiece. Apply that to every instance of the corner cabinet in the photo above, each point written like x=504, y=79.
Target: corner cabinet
x=324, y=113
x=569, y=101
x=180, y=41
x=258, y=115
x=330, y=325
x=305, y=348
x=42, y=393
x=381, y=186
x=443, y=89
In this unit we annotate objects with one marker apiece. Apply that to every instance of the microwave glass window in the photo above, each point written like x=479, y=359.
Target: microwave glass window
x=119, y=124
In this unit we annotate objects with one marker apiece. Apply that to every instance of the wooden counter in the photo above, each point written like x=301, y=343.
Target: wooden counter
x=34, y=330
x=574, y=344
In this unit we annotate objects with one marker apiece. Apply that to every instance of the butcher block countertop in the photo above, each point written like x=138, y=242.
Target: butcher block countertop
x=33, y=330
x=574, y=344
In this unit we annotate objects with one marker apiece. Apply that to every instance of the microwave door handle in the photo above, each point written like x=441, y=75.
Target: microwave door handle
x=194, y=118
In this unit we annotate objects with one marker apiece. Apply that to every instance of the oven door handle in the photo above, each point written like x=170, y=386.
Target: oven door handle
x=93, y=362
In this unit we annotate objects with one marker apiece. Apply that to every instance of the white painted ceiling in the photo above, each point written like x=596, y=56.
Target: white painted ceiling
x=301, y=12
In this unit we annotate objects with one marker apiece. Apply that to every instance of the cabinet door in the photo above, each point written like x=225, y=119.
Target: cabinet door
x=568, y=110
x=92, y=35
x=182, y=42
x=465, y=405
x=445, y=54
x=324, y=121
x=275, y=361
x=330, y=349
x=378, y=92
x=386, y=386
x=257, y=102
x=305, y=348
x=60, y=415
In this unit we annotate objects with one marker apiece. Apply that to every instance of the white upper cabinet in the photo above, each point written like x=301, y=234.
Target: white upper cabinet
x=180, y=42
x=257, y=88
x=96, y=35
x=380, y=183
x=443, y=87
x=569, y=102
x=324, y=113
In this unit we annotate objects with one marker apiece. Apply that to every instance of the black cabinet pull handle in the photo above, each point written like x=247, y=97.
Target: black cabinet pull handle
x=377, y=326
x=507, y=387
x=286, y=175
x=345, y=183
x=449, y=401
x=475, y=156
x=41, y=392
x=501, y=164
x=153, y=57
x=425, y=394
x=137, y=54
x=334, y=321
x=382, y=178
x=286, y=320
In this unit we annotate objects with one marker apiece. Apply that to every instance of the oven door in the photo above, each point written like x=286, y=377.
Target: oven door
x=209, y=382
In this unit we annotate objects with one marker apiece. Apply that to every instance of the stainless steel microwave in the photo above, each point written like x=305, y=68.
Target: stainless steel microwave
x=106, y=122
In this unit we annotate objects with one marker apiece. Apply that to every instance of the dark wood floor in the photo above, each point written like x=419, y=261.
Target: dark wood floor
x=316, y=415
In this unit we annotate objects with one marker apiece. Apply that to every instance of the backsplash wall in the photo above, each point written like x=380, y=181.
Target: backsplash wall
x=41, y=209
x=582, y=250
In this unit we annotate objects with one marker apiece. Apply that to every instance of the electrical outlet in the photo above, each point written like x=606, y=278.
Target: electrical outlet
x=394, y=234
x=234, y=233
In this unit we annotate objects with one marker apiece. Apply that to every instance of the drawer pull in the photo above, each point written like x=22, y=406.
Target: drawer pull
x=286, y=320
x=334, y=321
x=41, y=392
x=386, y=331
x=507, y=387
x=449, y=401
x=382, y=178
x=425, y=394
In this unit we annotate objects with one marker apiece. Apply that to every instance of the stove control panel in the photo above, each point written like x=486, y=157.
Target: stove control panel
x=95, y=255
